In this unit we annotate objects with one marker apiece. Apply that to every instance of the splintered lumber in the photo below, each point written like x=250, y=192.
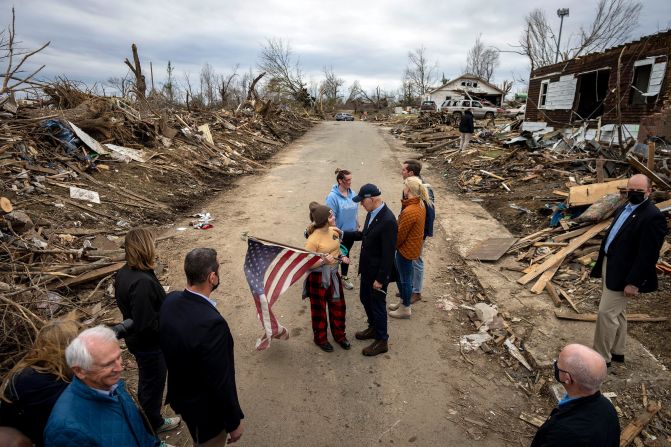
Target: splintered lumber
x=637, y=425
x=432, y=149
x=532, y=419
x=640, y=167
x=570, y=234
x=568, y=299
x=491, y=249
x=633, y=161
x=639, y=318
x=588, y=194
x=553, y=293
x=546, y=277
x=512, y=349
x=491, y=174
x=561, y=254
x=88, y=276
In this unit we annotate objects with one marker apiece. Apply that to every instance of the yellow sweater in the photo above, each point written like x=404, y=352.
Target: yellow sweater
x=321, y=241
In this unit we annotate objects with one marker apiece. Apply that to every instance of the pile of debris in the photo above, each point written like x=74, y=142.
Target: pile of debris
x=79, y=170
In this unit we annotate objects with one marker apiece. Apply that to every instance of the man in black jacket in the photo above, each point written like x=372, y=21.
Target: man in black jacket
x=378, y=242
x=198, y=349
x=627, y=261
x=466, y=127
x=583, y=418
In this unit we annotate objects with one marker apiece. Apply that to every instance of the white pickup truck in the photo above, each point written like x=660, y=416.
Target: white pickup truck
x=457, y=107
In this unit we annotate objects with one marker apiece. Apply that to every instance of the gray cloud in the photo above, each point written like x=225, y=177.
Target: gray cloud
x=368, y=41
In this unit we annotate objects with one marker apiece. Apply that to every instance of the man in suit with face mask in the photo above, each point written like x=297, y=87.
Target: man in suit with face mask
x=627, y=260
x=583, y=417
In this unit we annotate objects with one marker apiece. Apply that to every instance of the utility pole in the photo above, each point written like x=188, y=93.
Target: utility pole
x=560, y=13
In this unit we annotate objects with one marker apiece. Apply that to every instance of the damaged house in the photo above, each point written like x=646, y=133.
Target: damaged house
x=476, y=87
x=628, y=86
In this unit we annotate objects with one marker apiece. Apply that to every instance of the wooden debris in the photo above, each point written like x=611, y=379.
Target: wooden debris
x=549, y=287
x=491, y=249
x=512, y=349
x=637, y=425
x=532, y=419
x=643, y=318
x=588, y=194
x=644, y=170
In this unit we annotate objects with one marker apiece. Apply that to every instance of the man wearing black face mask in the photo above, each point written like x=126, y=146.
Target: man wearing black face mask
x=627, y=260
x=583, y=418
x=198, y=349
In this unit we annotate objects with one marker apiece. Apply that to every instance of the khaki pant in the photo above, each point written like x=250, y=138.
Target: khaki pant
x=217, y=441
x=610, y=335
x=465, y=139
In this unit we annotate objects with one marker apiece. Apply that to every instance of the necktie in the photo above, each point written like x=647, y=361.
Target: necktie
x=365, y=224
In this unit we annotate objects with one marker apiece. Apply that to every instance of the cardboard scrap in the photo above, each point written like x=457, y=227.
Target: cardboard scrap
x=88, y=140
x=126, y=153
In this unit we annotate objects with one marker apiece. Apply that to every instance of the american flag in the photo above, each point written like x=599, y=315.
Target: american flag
x=270, y=269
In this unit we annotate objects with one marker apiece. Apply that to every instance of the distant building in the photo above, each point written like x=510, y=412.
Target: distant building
x=628, y=84
x=476, y=87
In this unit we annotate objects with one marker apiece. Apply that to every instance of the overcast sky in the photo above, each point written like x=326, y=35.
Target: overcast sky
x=365, y=40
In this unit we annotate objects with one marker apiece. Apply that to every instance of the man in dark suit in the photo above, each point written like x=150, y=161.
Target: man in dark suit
x=378, y=242
x=198, y=349
x=627, y=260
x=583, y=418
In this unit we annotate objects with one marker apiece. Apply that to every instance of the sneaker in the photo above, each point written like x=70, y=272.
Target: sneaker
x=347, y=283
x=169, y=424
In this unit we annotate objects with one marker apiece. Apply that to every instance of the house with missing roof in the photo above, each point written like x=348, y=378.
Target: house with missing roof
x=457, y=88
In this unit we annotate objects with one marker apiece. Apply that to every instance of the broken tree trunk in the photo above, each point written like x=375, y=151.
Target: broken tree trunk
x=136, y=68
x=642, y=318
x=637, y=425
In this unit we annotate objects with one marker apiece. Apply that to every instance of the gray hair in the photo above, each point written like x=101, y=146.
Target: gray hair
x=78, y=354
x=588, y=377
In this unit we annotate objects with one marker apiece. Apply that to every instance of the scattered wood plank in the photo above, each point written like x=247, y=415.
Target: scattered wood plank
x=491, y=249
x=492, y=175
x=588, y=194
x=561, y=254
x=532, y=419
x=88, y=276
x=570, y=234
x=545, y=277
x=637, y=425
x=639, y=318
x=550, y=288
x=512, y=349
x=640, y=167
x=568, y=300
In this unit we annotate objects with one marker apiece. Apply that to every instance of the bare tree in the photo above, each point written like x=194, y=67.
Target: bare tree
x=481, y=60
x=14, y=79
x=406, y=92
x=286, y=75
x=226, y=85
x=208, y=84
x=506, y=86
x=611, y=26
x=140, y=86
x=330, y=87
x=122, y=84
x=420, y=71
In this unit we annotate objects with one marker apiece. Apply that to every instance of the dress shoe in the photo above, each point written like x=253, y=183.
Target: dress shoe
x=394, y=306
x=377, y=347
x=415, y=297
x=366, y=334
x=327, y=347
x=402, y=312
x=345, y=344
x=619, y=358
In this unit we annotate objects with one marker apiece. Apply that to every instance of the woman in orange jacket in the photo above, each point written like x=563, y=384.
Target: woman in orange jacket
x=409, y=241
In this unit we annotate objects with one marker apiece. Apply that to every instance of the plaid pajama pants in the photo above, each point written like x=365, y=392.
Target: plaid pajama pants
x=320, y=300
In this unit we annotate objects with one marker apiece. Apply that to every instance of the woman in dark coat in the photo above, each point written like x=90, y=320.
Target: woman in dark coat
x=32, y=387
x=139, y=296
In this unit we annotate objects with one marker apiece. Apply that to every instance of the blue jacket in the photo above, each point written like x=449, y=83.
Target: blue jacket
x=344, y=209
x=86, y=418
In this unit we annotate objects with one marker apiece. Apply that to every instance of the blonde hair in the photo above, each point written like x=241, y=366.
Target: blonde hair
x=140, y=249
x=47, y=355
x=418, y=189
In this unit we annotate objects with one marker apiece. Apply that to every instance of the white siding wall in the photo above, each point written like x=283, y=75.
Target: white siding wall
x=656, y=78
x=561, y=93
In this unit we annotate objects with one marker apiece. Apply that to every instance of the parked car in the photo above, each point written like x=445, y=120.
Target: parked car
x=517, y=112
x=428, y=106
x=457, y=107
x=342, y=116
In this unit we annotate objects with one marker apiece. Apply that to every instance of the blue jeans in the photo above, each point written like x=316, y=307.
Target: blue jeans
x=404, y=282
x=418, y=272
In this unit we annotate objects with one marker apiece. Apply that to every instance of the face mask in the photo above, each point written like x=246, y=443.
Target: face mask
x=635, y=197
x=556, y=371
x=214, y=286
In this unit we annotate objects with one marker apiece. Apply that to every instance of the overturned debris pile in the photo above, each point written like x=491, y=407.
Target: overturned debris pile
x=79, y=170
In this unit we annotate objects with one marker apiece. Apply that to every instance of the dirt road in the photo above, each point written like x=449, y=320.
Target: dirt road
x=422, y=392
